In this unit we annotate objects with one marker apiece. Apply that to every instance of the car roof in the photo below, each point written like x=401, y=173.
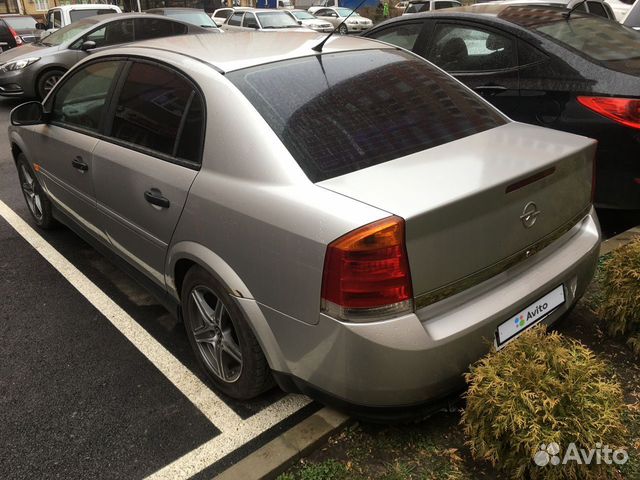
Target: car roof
x=525, y=16
x=85, y=6
x=240, y=50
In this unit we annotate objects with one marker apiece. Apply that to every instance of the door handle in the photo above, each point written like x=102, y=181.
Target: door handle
x=154, y=197
x=79, y=164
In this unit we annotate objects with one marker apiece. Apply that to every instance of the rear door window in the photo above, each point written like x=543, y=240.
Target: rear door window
x=440, y=5
x=113, y=33
x=236, y=19
x=351, y=110
x=465, y=48
x=147, y=28
x=150, y=111
x=249, y=21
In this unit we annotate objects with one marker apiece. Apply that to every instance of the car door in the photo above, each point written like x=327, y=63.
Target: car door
x=64, y=146
x=483, y=58
x=145, y=165
x=329, y=15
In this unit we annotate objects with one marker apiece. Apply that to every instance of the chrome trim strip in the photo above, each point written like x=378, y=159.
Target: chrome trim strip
x=429, y=298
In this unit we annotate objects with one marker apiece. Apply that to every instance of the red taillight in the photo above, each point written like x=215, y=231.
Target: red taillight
x=366, y=273
x=17, y=37
x=622, y=110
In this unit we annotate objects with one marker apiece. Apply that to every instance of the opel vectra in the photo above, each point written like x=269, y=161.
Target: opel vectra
x=352, y=223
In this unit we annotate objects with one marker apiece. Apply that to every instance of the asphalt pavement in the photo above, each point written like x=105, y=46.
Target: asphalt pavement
x=82, y=398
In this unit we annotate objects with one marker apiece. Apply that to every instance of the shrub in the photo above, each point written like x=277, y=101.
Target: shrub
x=540, y=389
x=620, y=294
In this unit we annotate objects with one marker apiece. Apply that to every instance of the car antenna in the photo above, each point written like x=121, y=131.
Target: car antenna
x=567, y=15
x=318, y=48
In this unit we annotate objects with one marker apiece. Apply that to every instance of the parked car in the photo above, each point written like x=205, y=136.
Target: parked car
x=417, y=6
x=318, y=4
x=579, y=74
x=220, y=15
x=64, y=15
x=263, y=19
x=357, y=214
x=594, y=7
x=33, y=69
x=17, y=30
x=194, y=16
x=632, y=19
x=338, y=18
x=308, y=20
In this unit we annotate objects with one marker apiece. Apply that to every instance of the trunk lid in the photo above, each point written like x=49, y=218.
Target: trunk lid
x=463, y=201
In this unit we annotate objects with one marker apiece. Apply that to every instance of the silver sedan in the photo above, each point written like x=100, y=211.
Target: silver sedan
x=352, y=223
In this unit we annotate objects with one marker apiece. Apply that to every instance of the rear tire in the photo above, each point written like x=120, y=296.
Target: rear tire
x=47, y=81
x=221, y=338
x=38, y=203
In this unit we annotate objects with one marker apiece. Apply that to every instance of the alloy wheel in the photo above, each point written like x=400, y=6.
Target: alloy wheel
x=31, y=192
x=215, y=334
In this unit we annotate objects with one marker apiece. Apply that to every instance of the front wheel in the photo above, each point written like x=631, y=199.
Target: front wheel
x=343, y=30
x=221, y=338
x=47, y=81
x=37, y=202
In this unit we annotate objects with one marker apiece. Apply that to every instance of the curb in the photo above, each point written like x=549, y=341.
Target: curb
x=619, y=240
x=276, y=456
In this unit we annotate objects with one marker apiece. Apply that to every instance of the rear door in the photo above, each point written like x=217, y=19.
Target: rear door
x=147, y=162
x=483, y=58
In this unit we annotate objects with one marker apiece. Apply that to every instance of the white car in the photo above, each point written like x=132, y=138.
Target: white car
x=620, y=8
x=419, y=6
x=308, y=20
x=262, y=19
x=62, y=16
x=337, y=16
x=318, y=4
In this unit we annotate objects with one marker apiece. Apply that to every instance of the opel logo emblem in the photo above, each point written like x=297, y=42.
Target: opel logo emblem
x=529, y=215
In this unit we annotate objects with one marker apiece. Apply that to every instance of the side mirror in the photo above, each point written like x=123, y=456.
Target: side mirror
x=299, y=22
x=30, y=113
x=40, y=26
x=88, y=45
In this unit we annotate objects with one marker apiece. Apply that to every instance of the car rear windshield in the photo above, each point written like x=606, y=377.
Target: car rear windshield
x=599, y=39
x=21, y=23
x=86, y=12
x=341, y=112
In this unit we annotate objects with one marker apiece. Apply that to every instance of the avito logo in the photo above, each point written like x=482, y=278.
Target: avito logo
x=538, y=310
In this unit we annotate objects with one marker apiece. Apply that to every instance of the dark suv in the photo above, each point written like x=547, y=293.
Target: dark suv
x=16, y=30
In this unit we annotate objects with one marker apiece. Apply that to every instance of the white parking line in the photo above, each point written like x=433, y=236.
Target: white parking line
x=235, y=431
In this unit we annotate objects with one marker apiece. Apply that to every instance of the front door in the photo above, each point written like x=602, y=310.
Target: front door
x=145, y=167
x=64, y=147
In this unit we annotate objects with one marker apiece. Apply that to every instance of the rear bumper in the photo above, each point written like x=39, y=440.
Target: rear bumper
x=422, y=356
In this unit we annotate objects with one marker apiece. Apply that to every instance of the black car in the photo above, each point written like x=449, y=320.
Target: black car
x=543, y=65
x=16, y=30
x=194, y=16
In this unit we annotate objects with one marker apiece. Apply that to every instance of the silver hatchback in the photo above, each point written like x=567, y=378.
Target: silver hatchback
x=354, y=223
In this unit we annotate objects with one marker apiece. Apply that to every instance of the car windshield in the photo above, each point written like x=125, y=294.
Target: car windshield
x=276, y=20
x=303, y=16
x=344, y=12
x=21, y=23
x=599, y=39
x=69, y=32
x=196, y=18
x=89, y=12
x=341, y=112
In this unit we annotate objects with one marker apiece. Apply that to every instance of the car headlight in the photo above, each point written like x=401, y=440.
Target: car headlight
x=351, y=22
x=18, y=64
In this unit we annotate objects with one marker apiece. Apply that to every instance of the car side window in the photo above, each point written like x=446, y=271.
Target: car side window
x=147, y=28
x=441, y=5
x=150, y=112
x=401, y=34
x=80, y=100
x=113, y=33
x=528, y=54
x=249, y=21
x=596, y=8
x=462, y=48
x=236, y=19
